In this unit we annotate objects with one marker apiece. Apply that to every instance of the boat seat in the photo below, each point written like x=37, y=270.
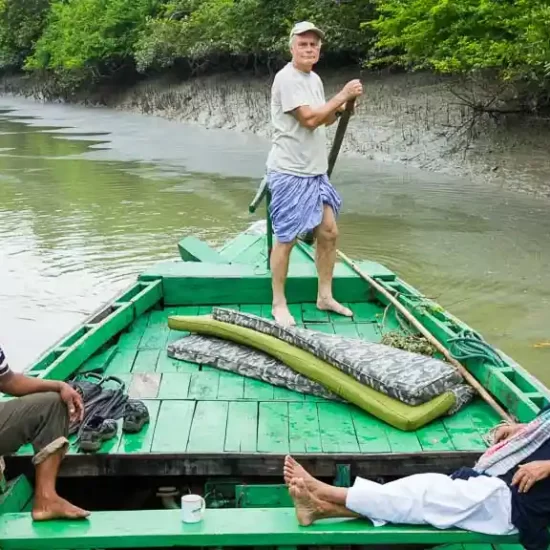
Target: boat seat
x=194, y=250
x=220, y=527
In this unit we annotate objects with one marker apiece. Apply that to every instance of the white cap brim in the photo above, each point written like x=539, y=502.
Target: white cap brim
x=301, y=29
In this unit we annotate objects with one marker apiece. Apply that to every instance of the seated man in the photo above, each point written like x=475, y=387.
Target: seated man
x=41, y=417
x=507, y=491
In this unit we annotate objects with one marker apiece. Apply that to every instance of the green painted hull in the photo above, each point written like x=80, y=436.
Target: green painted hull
x=222, y=430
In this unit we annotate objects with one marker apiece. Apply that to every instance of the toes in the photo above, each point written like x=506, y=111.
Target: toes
x=283, y=317
x=336, y=307
x=79, y=512
x=300, y=484
x=293, y=491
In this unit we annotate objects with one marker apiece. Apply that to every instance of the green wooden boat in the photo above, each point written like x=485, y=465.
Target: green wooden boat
x=226, y=436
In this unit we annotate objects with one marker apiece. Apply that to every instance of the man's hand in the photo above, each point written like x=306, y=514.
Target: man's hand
x=528, y=474
x=505, y=432
x=313, y=117
x=73, y=400
x=352, y=89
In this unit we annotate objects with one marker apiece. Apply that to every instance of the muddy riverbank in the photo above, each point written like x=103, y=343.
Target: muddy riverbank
x=412, y=119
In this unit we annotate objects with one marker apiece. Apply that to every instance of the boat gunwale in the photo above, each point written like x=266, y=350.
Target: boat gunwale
x=105, y=306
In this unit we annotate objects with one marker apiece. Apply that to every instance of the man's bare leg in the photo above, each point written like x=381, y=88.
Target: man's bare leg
x=309, y=508
x=47, y=503
x=280, y=255
x=323, y=491
x=326, y=235
x=42, y=419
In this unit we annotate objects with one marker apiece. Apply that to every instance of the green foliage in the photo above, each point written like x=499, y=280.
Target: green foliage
x=201, y=29
x=191, y=29
x=83, y=36
x=86, y=40
x=460, y=36
x=21, y=23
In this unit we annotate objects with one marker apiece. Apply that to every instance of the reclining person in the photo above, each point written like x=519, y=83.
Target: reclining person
x=506, y=492
x=40, y=416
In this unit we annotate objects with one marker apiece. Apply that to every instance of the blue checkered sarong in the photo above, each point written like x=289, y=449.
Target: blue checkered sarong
x=297, y=203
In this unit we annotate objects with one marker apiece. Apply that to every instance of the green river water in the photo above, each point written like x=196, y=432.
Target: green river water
x=90, y=197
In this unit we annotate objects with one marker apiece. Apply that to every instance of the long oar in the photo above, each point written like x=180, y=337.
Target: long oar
x=416, y=323
x=339, y=136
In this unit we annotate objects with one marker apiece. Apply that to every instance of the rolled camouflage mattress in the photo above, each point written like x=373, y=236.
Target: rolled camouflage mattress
x=246, y=361
x=392, y=411
x=409, y=377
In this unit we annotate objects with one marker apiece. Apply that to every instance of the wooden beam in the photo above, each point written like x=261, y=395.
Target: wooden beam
x=194, y=250
x=219, y=528
x=202, y=283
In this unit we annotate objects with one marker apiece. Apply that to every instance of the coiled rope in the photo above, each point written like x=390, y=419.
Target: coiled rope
x=470, y=345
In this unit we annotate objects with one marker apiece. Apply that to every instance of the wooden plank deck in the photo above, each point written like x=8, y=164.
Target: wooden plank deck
x=205, y=421
x=198, y=411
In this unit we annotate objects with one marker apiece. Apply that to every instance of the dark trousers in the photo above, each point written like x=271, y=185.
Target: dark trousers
x=41, y=419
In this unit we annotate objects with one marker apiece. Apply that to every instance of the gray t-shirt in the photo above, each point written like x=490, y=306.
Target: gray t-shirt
x=296, y=149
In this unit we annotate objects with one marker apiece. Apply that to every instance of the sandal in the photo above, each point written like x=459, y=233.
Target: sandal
x=96, y=432
x=136, y=415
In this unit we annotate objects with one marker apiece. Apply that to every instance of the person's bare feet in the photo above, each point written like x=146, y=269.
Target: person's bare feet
x=320, y=490
x=293, y=469
x=56, y=508
x=330, y=304
x=308, y=508
x=282, y=315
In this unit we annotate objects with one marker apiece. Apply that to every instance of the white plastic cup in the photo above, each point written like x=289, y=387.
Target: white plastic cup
x=192, y=508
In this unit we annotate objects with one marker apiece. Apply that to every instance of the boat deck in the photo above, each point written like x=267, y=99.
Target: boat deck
x=204, y=413
x=205, y=421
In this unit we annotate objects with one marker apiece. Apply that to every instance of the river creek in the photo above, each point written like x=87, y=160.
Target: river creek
x=92, y=196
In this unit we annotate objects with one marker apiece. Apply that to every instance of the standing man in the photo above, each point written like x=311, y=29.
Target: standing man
x=302, y=197
x=40, y=416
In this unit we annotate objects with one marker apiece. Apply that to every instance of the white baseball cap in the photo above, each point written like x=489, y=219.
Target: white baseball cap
x=306, y=26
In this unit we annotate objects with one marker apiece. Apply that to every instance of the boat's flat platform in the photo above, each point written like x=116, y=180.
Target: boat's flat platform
x=205, y=421
x=205, y=415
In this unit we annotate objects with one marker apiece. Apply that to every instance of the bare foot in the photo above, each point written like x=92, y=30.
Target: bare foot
x=293, y=469
x=320, y=490
x=330, y=304
x=56, y=508
x=282, y=316
x=308, y=508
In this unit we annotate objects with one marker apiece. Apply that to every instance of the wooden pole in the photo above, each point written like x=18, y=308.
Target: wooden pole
x=335, y=149
x=339, y=136
x=418, y=325
x=424, y=331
